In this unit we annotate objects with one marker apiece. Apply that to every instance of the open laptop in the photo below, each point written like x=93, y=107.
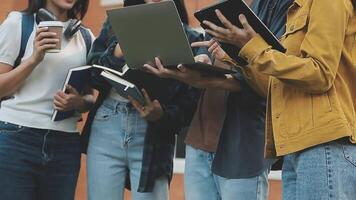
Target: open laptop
x=155, y=30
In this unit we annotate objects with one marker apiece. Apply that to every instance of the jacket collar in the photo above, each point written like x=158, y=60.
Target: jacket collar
x=299, y=2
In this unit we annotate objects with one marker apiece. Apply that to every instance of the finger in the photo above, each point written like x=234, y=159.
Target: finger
x=159, y=65
x=62, y=94
x=215, y=52
x=216, y=28
x=224, y=21
x=58, y=108
x=60, y=99
x=40, y=30
x=215, y=34
x=200, y=44
x=58, y=105
x=71, y=90
x=45, y=35
x=46, y=47
x=245, y=23
x=221, y=39
x=156, y=104
x=147, y=97
x=182, y=68
x=136, y=104
x=151, y=69
x=47, y=41
x=213, y=47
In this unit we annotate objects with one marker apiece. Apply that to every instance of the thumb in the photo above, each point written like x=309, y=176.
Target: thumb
x=71, y=90
x=181, y=68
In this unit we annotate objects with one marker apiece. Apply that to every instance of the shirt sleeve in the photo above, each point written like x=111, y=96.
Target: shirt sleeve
x=10, y=38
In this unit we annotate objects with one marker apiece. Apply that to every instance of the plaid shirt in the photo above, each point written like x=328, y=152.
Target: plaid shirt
x=178, y=103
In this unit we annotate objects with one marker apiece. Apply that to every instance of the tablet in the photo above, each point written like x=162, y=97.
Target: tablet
x=231, y=9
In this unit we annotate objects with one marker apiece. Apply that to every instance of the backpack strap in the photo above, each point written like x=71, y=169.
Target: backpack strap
x=87, y=38
x=27, y=23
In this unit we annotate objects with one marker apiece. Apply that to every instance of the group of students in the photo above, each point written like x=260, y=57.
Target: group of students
x=299, y=106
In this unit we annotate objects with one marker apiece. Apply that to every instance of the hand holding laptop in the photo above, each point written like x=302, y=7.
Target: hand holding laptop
x=184, y=74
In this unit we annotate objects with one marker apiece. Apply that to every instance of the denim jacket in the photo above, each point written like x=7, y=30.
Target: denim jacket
x=178, y=101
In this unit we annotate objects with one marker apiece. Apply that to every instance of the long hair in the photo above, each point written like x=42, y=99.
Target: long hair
x=78, y=11
x=179, y=4
x=354, y=4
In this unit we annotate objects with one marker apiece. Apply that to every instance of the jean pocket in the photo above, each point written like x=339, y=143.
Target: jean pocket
x=10, y=128
x=350, y=153
x=104, y=113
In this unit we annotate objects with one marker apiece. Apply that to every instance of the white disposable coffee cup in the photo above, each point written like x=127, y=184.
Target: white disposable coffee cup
x=56, y=27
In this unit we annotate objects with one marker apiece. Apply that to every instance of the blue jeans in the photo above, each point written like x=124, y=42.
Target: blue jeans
x=324, y=172
x=116, y=150
x=37, y=164
x=201, y=184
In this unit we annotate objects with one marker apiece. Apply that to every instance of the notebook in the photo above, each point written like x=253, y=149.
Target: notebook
x=78, y=78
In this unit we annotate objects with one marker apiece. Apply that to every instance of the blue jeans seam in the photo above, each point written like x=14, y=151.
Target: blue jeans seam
x=329, y=171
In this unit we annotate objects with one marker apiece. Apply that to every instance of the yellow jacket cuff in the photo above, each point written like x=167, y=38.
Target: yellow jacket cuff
x=253, y=48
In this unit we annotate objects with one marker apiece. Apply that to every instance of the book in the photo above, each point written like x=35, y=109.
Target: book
x=79, y=78
x=231, y=9
x=124, y=87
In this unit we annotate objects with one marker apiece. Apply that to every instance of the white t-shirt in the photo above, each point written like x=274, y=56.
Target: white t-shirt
x=32, y=104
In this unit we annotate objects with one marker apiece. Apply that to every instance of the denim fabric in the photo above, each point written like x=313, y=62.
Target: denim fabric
x=38, y=164
x=324, y=172
x=201, y=184
x=115, y=151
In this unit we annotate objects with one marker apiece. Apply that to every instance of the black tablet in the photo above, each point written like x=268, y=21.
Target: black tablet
x=231, y=9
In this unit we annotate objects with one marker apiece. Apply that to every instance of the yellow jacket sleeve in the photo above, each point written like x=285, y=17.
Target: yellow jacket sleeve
x=314, y=69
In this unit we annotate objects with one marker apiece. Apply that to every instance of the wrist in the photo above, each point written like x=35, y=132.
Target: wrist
x=84, y=105
x=33, y=60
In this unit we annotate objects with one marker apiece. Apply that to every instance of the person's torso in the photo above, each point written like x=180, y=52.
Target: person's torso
x=32, y=104
x=294, y=113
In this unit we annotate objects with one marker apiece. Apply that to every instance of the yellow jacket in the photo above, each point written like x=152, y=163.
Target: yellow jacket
x=312, y=90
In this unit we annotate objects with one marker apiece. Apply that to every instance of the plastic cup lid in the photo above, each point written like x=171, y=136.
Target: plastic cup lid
x=50, y=23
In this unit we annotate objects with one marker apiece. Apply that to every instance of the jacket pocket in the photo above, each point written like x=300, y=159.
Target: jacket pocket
x=322, y=103
x=297, y=115
x=299, y=23
x=326, y=109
